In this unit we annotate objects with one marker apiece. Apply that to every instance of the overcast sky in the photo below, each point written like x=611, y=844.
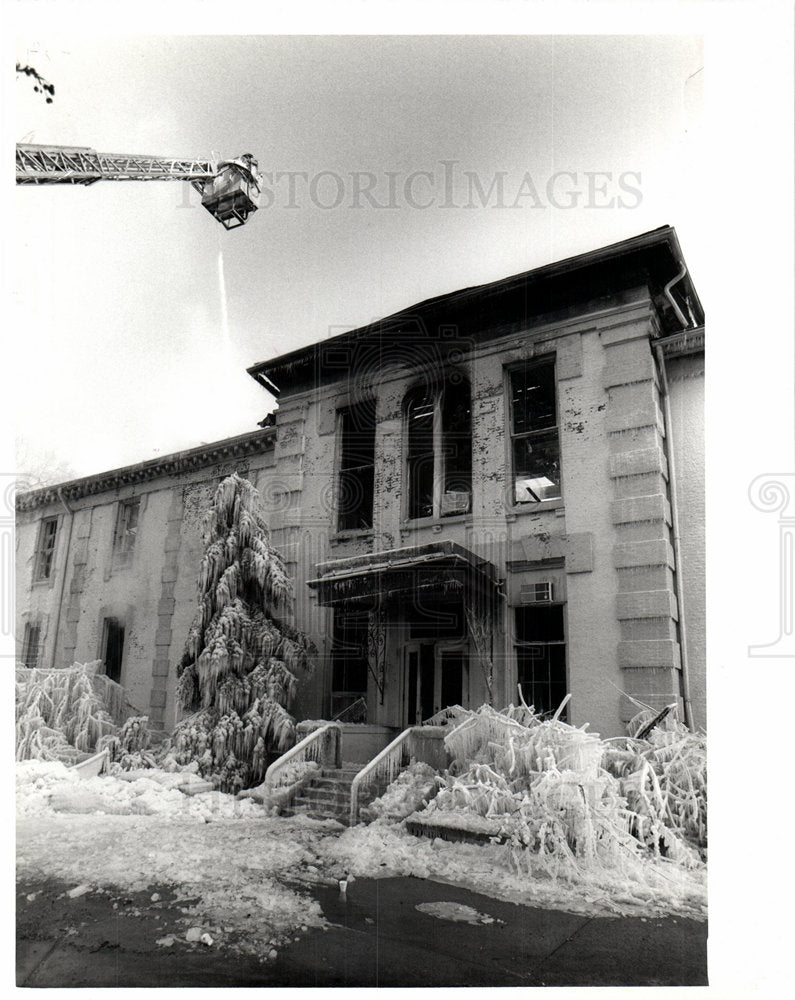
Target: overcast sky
x=393, y=144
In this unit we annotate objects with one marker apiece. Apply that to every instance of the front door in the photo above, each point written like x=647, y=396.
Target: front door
x=436, y=677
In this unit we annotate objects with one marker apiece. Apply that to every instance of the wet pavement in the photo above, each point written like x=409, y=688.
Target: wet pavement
x=377, y=937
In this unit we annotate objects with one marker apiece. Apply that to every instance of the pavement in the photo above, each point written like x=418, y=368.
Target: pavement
x=377, y=938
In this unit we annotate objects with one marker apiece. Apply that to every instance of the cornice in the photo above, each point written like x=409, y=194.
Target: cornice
x=175, y=464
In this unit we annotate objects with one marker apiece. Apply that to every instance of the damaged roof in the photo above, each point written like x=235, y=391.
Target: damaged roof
x=653, y=260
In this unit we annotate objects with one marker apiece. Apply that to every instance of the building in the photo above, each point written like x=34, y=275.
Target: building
x=503, y=485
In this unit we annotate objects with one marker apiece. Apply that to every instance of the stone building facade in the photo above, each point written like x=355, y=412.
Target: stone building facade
x=502, y=486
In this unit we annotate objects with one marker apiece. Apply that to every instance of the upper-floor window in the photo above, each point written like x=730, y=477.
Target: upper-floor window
x=45, y=550
x=439, y=450
x=357, y=466
x=535, y=449
x=126, y=531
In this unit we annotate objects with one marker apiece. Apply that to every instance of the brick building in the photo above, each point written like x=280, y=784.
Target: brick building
x=499, y=486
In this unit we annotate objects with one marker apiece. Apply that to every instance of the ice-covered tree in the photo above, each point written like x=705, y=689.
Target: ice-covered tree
x=242, y=661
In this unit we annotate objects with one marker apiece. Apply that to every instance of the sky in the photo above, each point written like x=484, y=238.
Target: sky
x=393, y=143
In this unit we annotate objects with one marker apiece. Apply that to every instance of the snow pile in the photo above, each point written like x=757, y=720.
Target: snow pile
x=411, y=790
x=566, y=802
x=44, y=787
x=62, y=713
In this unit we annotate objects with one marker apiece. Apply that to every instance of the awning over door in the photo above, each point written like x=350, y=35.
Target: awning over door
x=443, y=566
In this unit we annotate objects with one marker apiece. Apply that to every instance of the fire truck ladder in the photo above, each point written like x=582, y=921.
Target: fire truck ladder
x=230, y=189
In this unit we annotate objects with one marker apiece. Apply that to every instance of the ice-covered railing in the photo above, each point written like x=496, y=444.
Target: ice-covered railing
x=321, y=746
x=385, y=765
x=453, y=713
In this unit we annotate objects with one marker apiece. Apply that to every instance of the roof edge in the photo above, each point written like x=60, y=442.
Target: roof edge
x=169, y=465
x=655, y=237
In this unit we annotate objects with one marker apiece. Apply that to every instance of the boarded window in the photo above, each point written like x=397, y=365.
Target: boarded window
x=541, y=655
x=45, y=552
x=113, y=648
x=357, y=464
x=534, y=433
x=126, y=531
x=31, y=644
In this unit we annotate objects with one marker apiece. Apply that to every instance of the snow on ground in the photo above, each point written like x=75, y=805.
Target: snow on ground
x=647, y=889
x=247, y=874
x=229, y=856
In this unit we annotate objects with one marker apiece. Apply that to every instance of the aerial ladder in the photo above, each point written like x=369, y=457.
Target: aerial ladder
x=230, y=189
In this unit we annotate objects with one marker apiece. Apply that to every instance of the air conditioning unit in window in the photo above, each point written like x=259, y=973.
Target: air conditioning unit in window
x=537, y=593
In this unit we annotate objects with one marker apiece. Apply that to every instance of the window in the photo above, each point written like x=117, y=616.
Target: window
x=348, y=659
x=31, y=644
x=534, y=433
x=541, y=655
x=439, y=450
x=357, y=463
x=45, y=552
x=113, y=647
x=126, y=531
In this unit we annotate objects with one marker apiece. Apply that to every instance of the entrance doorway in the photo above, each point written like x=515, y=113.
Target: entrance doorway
x=437, y=675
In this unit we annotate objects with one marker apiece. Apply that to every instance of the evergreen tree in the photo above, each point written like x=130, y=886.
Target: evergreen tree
x=242, y=661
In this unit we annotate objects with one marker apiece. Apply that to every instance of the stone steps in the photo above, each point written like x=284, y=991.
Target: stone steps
x=329, y=796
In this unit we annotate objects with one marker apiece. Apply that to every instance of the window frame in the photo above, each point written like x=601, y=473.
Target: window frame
x=513, y=436
x=518, y=644
x=123, y=554
x=108, y=622
x=437, y=392
x=336, y=649
x=340, y=471
x=32, y=628
x=39, y=576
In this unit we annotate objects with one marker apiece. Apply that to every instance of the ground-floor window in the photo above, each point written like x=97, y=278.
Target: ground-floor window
x=31, y=644
x=348, y=659
x=113, y=648
x=541, y=655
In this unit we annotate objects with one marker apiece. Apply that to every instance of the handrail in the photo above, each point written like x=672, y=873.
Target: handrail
x=349, y=708
x=374, y=768
x=452, y=712
x=309, y=748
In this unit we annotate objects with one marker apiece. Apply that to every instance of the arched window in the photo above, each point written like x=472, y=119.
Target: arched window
x=439, y=449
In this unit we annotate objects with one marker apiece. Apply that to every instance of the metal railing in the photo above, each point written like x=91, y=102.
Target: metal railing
x=453, y=714
x=387, y=764
x=315, y=746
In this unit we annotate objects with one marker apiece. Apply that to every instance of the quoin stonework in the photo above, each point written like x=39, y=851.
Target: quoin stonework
x=500, y=486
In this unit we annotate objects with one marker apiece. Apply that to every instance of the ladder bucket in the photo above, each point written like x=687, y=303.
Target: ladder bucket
x=233, y=194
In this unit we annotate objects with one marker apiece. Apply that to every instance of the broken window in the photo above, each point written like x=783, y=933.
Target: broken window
x=439, y=450
x=534, y=433
x=126, y=531
x=45, y=552
x=31, y=644
x=541, y=655
x=357, y=464
x=113, y=648
x=348, y=659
